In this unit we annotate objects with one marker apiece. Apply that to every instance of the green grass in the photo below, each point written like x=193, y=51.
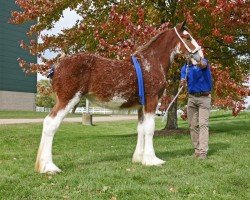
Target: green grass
x=4, y=114
x=96, y=163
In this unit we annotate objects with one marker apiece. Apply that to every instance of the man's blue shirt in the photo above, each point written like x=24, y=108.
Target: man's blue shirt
x=198, y=80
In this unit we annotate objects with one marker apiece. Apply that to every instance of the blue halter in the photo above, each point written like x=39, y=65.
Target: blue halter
x=138, y=70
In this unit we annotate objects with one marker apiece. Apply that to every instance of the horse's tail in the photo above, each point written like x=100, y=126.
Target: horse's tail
x=50, y=73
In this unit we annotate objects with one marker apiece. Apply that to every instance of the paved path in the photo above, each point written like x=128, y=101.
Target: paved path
x=73, y=119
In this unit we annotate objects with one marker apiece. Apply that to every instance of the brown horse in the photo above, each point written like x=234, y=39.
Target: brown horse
x=113, y=84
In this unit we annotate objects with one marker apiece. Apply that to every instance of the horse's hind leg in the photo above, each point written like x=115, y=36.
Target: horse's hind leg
x=44, y=162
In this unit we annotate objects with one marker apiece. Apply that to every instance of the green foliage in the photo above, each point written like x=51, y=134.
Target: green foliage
x=223, y=29
x=82, y=102
x=45, y=101
x=45, y=96
x=96, y=163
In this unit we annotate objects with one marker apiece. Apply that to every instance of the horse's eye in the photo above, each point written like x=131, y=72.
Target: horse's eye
x=189, y=39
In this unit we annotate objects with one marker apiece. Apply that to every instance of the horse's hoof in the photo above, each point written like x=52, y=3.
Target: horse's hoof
x=137, y=158
x=152, y=160
x=49, y=168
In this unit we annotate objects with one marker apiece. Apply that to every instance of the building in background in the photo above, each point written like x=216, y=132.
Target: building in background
x=17, y=90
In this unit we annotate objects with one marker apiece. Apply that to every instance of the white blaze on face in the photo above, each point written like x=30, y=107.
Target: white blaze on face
x=175, y=51
x=199, y=54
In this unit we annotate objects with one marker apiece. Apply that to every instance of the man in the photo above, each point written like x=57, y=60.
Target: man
x=198, y=79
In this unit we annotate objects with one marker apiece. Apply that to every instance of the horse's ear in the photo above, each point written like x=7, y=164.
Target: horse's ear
x=182, y=26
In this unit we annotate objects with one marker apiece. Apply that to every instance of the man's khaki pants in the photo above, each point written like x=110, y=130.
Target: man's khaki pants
x=198, y=111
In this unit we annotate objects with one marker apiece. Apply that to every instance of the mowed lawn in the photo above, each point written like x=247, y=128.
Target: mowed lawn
x=4, y=114
x=96, y=163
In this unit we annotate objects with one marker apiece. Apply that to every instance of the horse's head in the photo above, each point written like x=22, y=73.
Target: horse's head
x=188, y=45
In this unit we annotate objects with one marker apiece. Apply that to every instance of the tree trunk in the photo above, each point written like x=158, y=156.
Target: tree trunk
x=172, y=113
x=172, y=117
x=74, y=109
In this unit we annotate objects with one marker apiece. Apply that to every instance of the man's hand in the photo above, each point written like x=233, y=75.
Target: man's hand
x=183, y=82
x=203, y=63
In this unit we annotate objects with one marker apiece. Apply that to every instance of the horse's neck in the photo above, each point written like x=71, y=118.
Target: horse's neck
x=161, y=52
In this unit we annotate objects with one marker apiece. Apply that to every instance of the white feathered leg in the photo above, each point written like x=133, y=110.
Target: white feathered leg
x=44, y=162
x=149, y=157
x=138, y=154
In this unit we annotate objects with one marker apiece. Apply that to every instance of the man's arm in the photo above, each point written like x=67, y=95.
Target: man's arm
x=183, y=76
x=203, y=64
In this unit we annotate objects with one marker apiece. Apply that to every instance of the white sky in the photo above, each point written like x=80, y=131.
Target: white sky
x=68, y=20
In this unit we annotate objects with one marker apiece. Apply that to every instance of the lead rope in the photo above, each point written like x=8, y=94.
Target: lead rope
x=164, y=118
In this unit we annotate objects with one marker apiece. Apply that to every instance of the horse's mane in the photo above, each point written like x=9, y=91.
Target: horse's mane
x=148, y=44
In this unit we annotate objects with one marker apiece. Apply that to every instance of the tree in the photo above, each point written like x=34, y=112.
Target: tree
x=115, y=28
x=82, y=103
x=223, y=27
x=45, y=97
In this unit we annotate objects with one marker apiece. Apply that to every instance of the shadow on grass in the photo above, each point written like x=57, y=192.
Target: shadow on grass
x=220, y=116
x=114, y=136
x=161, y=133
x=213, y=148
x=233, y=128
x=218, y=146
x=71, y=164
x=175, y=153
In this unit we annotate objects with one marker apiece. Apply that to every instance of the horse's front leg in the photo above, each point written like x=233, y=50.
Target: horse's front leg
x=149, y=157
x=138, y=154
